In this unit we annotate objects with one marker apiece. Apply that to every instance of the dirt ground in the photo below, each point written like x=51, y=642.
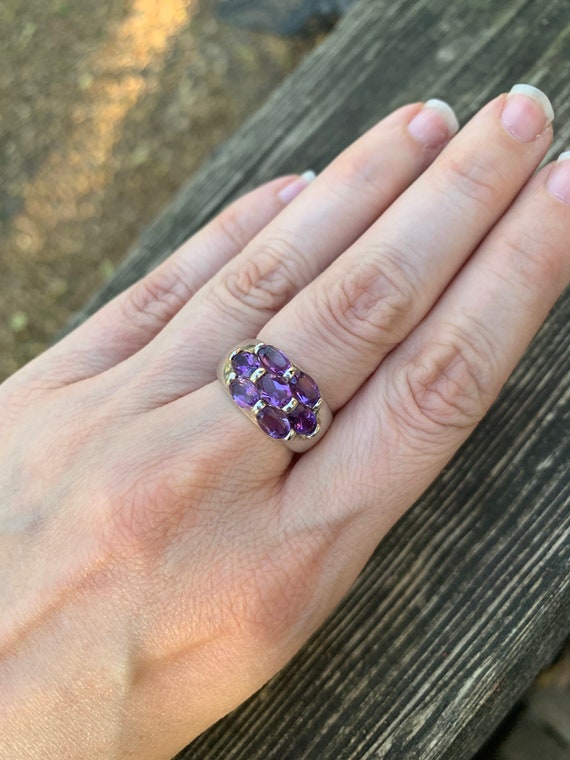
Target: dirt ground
x=106, y=108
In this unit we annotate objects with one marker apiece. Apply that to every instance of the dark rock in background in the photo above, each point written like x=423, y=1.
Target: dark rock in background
x=538, y=727
x=283, y=17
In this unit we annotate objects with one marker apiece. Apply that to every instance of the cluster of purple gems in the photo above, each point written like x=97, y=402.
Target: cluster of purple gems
x=290, y=396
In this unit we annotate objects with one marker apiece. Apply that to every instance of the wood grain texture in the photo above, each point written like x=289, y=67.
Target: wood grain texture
x=469, y=595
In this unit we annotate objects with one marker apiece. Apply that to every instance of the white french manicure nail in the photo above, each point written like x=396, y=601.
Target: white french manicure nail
x=434, y=124
x=558, y=182
x=538, y=95
x=292, y=190
x=308, y=176
x=520, y=116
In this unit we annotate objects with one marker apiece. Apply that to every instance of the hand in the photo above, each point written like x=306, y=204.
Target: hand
x=160, y=558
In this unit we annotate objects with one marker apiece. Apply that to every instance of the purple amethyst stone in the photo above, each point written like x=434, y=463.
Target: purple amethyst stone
x=244, y=392
x=274, y=422
x=305, y=389
x=245, y=363
x=274, y=390
x=303, y=420
x=273, y=360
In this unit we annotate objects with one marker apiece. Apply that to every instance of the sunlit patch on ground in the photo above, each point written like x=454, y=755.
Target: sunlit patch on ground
x=113, y=79
x=107, y=108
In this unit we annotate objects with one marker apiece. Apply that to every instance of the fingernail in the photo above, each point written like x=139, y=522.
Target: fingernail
x=558, y=182
x=293, y=189
x=434, y=124
x=526, y=113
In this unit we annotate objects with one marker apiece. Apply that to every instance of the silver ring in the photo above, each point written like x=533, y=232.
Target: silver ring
x=280, y=398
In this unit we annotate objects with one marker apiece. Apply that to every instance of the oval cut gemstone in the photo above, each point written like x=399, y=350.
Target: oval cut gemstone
x=274, y=422
x=245, y=363
x=305, y=389
x=303, y=420
x=244, y=392
x=274, y=390
x=273, y=360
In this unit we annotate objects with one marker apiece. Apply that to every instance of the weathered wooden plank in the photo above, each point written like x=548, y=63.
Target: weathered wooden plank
x=469, y=594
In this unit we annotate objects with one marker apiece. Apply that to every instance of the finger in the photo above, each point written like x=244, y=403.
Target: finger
x=429, y=394
x=342, y=202
x=134, y=317
x=343, y=325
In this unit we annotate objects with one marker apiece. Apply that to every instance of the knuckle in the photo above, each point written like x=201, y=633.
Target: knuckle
x=476, y=177
x=229, y=225
x=371, y=304
x=532, y=262
x=17, y=399
x=270, y=588
x=145, y=525
x=157, y=507
x=354, y=172
x=266, y=280
x=447, y=388
x=156, y=298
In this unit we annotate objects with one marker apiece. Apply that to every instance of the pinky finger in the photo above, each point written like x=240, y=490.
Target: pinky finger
x=132, y=319
x=431, y=391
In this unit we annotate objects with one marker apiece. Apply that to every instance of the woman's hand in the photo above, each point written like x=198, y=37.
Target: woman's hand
x=160, y=558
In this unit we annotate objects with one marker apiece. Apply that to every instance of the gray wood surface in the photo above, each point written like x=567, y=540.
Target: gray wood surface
x=469, y=595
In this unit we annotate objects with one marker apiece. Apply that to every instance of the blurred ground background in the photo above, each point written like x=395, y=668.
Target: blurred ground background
x=106, y=109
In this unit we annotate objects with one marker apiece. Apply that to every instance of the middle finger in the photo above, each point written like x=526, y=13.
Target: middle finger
x=338, y=206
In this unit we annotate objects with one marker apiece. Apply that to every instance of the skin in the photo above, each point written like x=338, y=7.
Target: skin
x=160, y=559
